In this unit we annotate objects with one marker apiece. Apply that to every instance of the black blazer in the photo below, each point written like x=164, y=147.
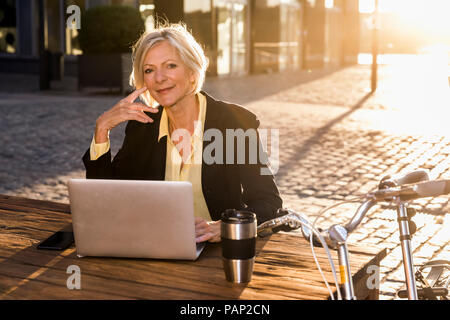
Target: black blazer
x=225, y=186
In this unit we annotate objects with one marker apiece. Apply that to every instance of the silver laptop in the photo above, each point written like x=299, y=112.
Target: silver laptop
x=134, y=219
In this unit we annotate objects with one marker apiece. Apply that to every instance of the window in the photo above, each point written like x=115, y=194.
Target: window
x=147, y=9
x=8, y=27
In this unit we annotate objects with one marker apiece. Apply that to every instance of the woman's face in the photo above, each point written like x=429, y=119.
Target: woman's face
x=166, y=76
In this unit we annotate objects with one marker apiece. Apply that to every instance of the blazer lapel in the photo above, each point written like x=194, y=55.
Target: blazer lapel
x=158, y=161
x=211, y=122
x=213, y=112
x=154, y=157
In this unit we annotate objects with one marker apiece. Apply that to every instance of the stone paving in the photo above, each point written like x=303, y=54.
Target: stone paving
x=335, y=141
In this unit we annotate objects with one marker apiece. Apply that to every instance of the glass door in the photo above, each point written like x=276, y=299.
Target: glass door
x=223, y=9
x=232, y=39
x=8, y=27
x=239, y=37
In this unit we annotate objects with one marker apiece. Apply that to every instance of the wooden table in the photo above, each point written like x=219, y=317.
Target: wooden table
x=284, y=267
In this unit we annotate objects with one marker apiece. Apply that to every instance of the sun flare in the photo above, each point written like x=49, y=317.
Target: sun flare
x=431, y=16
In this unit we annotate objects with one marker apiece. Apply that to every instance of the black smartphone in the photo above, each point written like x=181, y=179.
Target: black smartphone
x=60, y=240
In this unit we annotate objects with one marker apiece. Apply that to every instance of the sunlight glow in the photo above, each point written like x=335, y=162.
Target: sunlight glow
x=415, y=88
x=429, y=15
x=366, y=6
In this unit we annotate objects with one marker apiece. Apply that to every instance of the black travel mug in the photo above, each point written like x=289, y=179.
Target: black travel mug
x=238, y=233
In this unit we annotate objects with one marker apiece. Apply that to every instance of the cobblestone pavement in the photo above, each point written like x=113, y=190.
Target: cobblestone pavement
x=335, y=141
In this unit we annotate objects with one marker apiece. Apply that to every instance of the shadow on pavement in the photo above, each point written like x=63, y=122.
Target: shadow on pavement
x=302, y=150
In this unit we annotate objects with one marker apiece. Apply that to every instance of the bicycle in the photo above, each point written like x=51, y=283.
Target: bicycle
x=399, y=190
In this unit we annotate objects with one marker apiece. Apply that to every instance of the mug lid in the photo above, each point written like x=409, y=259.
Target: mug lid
x=238, y=216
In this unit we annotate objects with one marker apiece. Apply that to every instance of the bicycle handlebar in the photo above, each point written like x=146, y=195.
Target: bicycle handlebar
x=408, y=178
x=386, y=182
x=425, y=189
x=359, y=215
x=293, y=219
x=286, y=217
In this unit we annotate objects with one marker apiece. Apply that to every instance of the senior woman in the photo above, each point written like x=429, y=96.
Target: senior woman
x=165, y=137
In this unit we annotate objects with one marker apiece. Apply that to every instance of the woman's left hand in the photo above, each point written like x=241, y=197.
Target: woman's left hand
x=207, y=230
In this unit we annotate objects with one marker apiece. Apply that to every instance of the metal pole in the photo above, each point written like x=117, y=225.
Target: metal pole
x=44, y=75
x=374, y=78
x=345, y=272
x=405, y=239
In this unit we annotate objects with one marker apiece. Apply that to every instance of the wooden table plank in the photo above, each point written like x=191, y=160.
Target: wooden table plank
x=7, y=201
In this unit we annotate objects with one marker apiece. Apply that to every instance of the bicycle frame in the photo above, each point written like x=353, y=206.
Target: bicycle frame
x=405, y=240
x=338, y=239
x=345, y=272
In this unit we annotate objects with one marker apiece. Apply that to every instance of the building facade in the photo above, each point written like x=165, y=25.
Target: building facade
x=239, y=36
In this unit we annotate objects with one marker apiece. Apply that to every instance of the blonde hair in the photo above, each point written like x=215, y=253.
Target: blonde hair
x=190, y=51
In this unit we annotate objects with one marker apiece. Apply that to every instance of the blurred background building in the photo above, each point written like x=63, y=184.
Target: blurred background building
x=239, y=36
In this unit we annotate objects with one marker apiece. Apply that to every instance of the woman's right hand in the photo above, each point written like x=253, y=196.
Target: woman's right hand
x=125, y=110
